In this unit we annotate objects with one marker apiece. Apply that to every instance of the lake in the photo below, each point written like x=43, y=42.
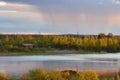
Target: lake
x=17, y=65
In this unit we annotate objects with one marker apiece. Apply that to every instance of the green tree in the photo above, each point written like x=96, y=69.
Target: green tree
x=110, y=35
x=101, y=35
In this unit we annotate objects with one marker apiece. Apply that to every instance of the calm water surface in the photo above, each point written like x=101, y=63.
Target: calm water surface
x=16, y=65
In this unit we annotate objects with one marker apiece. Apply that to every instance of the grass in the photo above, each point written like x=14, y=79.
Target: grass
x=44, y=52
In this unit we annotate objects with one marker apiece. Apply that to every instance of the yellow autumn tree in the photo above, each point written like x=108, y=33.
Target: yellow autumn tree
x=90, y=75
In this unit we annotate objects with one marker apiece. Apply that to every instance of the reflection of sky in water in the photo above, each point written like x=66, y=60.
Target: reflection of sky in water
x=110, y=55
x=16, y=65
x=61, y=57
x=39, y=58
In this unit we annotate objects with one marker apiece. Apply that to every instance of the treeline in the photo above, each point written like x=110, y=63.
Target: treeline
x=100, y=42
x=41, y=74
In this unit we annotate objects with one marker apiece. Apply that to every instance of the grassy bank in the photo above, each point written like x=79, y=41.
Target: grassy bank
x=44, y=52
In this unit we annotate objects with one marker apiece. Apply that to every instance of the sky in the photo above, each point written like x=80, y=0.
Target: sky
x=60, y=16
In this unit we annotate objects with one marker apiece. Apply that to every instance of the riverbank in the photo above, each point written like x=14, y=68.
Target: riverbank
x=47, y=52
x=104, y=72
x=42, y=74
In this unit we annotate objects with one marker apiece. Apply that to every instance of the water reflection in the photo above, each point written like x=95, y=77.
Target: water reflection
x=17, y=65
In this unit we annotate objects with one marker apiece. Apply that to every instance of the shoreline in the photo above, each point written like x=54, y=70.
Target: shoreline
x=47, y=52
x=98, y=72
x=103, y=72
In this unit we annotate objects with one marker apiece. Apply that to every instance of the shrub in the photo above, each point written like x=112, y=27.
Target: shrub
x=37, y=74
x=90, y=75
x=4, y=77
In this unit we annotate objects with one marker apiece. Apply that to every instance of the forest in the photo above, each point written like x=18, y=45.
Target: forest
x=97, y=43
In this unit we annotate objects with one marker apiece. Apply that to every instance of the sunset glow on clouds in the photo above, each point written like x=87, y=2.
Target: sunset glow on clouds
x=18, y=16
x=60, y=16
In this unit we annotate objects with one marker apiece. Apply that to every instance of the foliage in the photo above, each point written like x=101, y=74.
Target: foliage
x=100, y=42
x=90, y=75
x=4, y=77
x=54, y=75
x=37, y=74
x=41, y=74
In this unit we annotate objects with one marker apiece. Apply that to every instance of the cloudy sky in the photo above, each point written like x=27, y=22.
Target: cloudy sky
x=60, y=16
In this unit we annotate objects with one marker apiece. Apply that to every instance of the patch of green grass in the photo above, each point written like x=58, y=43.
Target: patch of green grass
x=44, y=52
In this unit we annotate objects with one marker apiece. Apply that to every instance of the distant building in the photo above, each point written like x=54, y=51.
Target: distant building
x=28, y=46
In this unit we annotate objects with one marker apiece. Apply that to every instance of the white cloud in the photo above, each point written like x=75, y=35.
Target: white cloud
x=19, y=10
x=116, y=1
x=7, y=11
x=2, y=3
x=16, y=6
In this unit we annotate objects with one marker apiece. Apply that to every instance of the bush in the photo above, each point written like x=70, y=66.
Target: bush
x=90, y=75
x=54, y=75
x=37, y=74
x=4, y=77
